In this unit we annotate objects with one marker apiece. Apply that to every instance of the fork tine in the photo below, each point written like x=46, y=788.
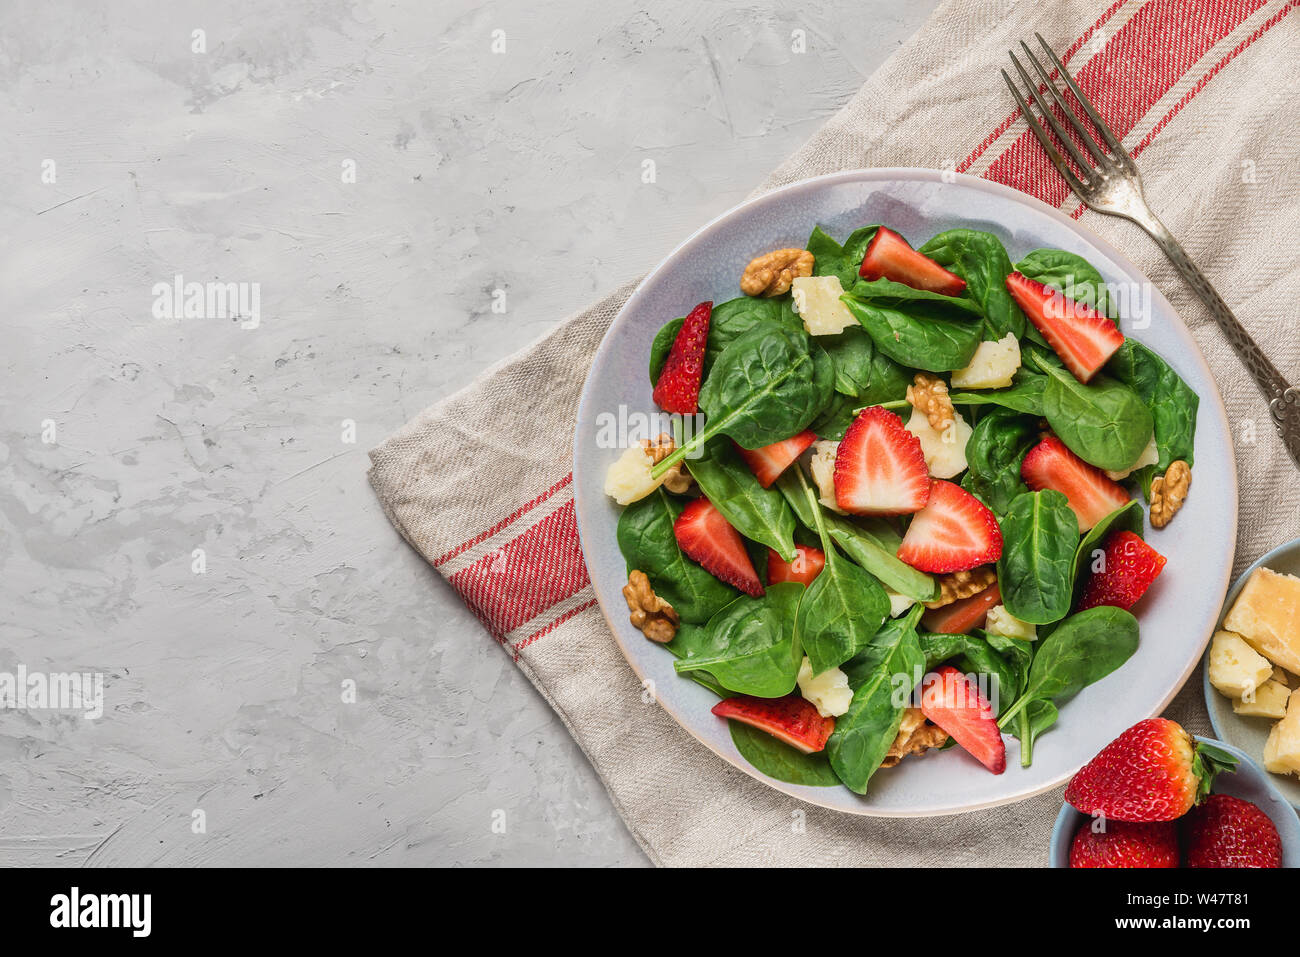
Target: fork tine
x=1115, y=146
x=1052, y=153
x=1085, y=168
x=1093, y=146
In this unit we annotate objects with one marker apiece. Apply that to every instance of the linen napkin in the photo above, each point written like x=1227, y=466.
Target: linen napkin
x=480, y=483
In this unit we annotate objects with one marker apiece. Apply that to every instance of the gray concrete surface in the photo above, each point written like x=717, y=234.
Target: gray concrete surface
x=137, y=150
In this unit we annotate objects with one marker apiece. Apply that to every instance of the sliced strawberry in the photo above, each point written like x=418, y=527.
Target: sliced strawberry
x=880, y=468
x=678, y=388
x=791, y=719
x=708, y=538
x=964, y=615
x=1081, y=336
x=807, y=565
x=889, y=257
x=1090, y=492
x=954, y=532
x=1129, y=567
x=953, y=701
x=768, y=462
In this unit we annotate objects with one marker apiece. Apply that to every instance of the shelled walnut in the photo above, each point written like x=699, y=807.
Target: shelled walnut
x=915, y=736
x=958, y=585
x=1169, y=491
x=772, y=273
x=650, y=613
x=929, y=394
x=677, y=480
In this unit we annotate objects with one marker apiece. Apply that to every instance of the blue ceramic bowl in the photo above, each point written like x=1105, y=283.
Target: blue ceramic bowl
x=1249, y=734
x=1249, y=782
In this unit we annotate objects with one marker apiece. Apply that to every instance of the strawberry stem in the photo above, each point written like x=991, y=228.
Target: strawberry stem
x=1207, y=762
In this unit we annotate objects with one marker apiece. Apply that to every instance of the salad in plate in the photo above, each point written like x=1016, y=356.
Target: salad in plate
x=901, y=505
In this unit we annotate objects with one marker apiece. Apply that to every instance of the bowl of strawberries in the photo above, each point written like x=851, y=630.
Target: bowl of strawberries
x=1158, y=797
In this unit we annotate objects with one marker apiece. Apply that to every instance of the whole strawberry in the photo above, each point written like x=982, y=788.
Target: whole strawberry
x=1228, y=832
x=1151, y=772
x=1126, y=845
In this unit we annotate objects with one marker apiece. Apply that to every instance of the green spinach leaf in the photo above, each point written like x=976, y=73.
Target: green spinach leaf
x=645, y=537
x=994, y=453
x=832, y=259
x=778, y=760
x=1104, y=422
x=1025, y=394
x=882, y=677
x=918, y=332
x=1172, y=402
x=982, y=260
x=757, y=513
x=750, y=646
x=1084, y=648
x=1036, y=570
x=1071, y=274
x=763, y=388
x=861, y=370
x=843, y=607
x=687, y=643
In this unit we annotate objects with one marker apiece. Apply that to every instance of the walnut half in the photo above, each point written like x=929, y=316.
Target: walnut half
x=772, y=273
x=958, y=585
x=929, y=394
x=1168, y=492
x=677, y=480
x=650, y=613
x=915, y=736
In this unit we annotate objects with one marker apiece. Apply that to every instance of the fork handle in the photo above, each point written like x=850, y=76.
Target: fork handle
x=1283, y=398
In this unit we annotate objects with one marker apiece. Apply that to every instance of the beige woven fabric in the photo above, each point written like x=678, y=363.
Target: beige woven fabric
x=478, y=482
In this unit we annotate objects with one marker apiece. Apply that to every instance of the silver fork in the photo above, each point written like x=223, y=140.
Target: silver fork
x=1110, y=184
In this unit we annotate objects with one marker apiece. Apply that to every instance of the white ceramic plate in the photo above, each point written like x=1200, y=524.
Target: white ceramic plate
x=1249, y=734
x=1178, y=613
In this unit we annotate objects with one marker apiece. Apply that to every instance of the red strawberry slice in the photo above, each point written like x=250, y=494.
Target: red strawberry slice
x=963, y=615
x=1129, y=567
x=890, y=257
x=1090, y=492
x=880, y=468
x=768, y=462
x=1151, y=772
x=792, y=719
x=1226, y=831
x=1083, y=337
x=708, y=538
x=954, y=532
x=1122, y=844
x=807, y=565
x=678, y=388
x=953, y=701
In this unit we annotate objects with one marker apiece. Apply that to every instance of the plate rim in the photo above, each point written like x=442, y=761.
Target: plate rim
x=808, y=793
x=1206, y=688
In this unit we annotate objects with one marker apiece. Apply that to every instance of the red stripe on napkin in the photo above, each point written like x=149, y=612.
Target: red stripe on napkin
x=513, y=584
x=1138, y=66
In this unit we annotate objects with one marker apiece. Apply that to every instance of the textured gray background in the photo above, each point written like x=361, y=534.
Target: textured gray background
x=475, y=171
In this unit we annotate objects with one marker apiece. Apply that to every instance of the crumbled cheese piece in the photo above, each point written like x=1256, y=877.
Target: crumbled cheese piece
x=992, y=366
x=628, y=479
x=817, y=301
x=828, y=691
x=823, y=473
x=1002, y=622
x=1236, y=668
x=945, y=452
x=898, y=603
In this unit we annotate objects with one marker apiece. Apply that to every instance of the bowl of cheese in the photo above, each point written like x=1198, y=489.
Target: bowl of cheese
x=1252, y=667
